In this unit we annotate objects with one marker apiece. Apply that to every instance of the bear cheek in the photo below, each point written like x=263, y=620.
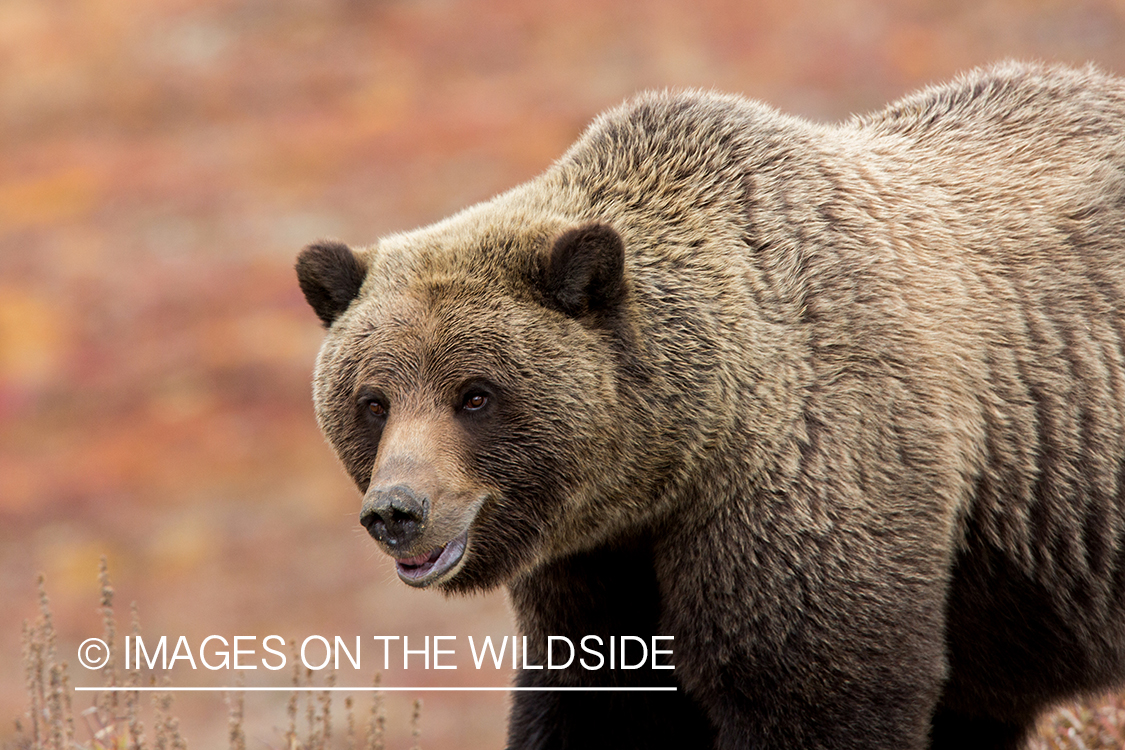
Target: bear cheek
x=354, y=438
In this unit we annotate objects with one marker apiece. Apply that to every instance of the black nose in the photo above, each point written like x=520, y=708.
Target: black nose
x=394, y=516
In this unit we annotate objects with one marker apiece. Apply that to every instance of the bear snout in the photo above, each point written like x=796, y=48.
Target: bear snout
x=395, y=516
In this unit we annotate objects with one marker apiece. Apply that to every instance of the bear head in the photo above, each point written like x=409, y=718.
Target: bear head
x=469, y=384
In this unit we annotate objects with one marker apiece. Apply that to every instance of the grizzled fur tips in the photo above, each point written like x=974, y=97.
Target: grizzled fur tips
x=840, y=408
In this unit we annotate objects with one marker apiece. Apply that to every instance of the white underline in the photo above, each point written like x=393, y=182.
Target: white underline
x=234, y=689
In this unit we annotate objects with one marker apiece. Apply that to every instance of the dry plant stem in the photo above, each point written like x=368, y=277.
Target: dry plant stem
x=348, y=710
x=160, y=703
x=416, y=725
x=33, y=663
x=22, y=741
x=50, y=689
x=324, y=737
x=48, y=627
x=235, y=705
x=43, y=648
x=133, y=699
x=67, y=707
x=168, y=735
x=378, y=718
x=55, y=708
x=291, y=742
x=310, y=712
x=107, y=701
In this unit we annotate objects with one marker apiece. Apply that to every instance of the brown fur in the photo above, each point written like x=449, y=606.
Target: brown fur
x=842, y=410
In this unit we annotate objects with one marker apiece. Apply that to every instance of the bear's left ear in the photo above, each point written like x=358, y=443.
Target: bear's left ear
x=330, y=275
x=586, y=270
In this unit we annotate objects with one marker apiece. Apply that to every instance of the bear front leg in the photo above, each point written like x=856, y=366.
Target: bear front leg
x=609, y=592
x=794, y=636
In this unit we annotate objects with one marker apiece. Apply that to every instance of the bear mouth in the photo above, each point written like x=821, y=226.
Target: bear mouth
x=425, y=569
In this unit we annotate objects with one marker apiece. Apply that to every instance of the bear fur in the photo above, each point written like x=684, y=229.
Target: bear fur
x=840, y=408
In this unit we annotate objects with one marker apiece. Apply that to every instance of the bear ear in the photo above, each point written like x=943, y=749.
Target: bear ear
x=330, y=275
x=586, y=270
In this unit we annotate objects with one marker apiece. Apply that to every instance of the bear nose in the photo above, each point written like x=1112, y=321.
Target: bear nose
x=394, y=516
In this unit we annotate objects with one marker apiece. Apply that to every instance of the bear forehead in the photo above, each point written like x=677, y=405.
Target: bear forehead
x=499, y=242
x=439, y=332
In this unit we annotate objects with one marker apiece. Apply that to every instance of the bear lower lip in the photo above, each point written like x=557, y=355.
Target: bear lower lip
x=422, y=570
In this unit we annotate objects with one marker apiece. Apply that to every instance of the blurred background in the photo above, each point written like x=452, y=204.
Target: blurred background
x=162, y=162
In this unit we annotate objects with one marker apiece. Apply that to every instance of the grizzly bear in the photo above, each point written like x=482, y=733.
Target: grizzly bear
x=840, y=409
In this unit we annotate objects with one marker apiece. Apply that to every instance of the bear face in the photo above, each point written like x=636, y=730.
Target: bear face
x=454, y=402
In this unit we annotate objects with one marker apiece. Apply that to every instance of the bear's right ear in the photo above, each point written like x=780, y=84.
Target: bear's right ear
x=586, y=270
x=330, y=275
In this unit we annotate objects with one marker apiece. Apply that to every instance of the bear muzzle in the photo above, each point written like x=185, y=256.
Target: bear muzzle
x=397, y=518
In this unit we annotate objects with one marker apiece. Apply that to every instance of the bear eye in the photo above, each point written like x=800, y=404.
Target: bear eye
x=474, y=401
x=373, y=405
